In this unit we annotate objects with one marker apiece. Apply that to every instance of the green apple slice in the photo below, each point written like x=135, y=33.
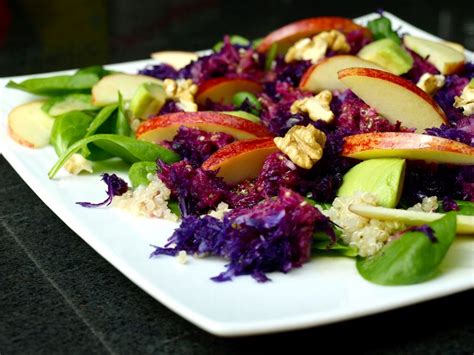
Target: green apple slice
x=465, y=224
x=147, y=100
x=389, y=55
x=381, y=177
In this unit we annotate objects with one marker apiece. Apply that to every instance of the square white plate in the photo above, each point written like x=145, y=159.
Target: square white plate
x=323, y=291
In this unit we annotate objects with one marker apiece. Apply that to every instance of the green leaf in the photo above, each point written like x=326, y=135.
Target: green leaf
x=382, y=28
x=128, y=149
x=138, y=172
x=81, y=81
x=99, y=120
x=271, y=55
x=322, y=246
x=173, y=205
x=122, y=125
x=466, y=208
x=234, y=39
x=412, y=258
x=68, y=129
x=59, y=105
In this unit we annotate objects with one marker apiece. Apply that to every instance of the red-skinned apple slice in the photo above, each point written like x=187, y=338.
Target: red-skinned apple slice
x=323, y=75
x=395, y=98
x=409, y=146
x=29, y=125
x=240, y=160
x=285, y=36
x=105, y=92
x=222, y=90
x=164, y=127
x=445, y=58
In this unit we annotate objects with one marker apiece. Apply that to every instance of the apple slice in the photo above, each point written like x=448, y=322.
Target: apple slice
x=240, y=160
x=409, y=146
x=395, y=98
x=177, y=59
x=445, y=58
x=222, y=90
x=323, y=75
x=285, y=36
x=164, y=127
x=29, y=125
x=464, y=225
x=105, y=92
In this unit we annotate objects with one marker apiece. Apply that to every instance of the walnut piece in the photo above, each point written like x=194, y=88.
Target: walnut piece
x=430, y=83
x=466, y=100
x=315, y=48
x=303, y=145
x=317, y=107
x=182, y=91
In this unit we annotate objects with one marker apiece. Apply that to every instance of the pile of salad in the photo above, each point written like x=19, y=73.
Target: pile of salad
x=323, y=138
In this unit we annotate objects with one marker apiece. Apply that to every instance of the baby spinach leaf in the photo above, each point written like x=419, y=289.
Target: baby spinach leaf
x=465, y=207
x=412, y=258
x=173, y=205
x=81, y=81
x=322, y=246
x=59, y=105
x=128, y=149
x=98, y=121
x=382, y=28
x=68, y=129
x=139, y=171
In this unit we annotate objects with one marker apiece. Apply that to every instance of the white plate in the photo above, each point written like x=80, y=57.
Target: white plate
x=323, y=291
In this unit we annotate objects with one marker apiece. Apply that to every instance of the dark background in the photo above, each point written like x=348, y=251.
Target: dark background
x=58, y=296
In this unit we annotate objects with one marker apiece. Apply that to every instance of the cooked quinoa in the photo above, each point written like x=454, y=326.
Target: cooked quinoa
x=427, y=204
x=148, y=201
x=368, y=235
x=221, y=209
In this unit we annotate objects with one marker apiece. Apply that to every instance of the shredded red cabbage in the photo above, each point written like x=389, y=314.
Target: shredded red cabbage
x=449, y=204
x=228, y=62
x=196, y=145
x=115, y=187
x=276, y=100
x=289, y=72
x=354, y=114
x=160, y=71
x=455, y=134
x=429, y=179
x=275, y=235
x=170, y=106
x=196, y=190
x=445, y=97
x=420, y=67
x=465, y=183
x=357, y=40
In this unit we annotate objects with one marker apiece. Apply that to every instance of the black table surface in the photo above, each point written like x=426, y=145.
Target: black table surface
x=57, y=295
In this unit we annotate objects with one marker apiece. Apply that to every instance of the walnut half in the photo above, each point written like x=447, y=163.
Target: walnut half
x=317, y=107
x=303, y=145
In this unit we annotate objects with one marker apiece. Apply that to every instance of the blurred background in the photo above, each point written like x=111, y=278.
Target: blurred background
x=48, y=35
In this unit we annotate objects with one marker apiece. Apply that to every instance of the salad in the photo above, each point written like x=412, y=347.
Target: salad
x=323, y=138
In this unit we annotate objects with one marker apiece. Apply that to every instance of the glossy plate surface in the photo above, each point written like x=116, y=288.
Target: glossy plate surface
x=323, y=291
